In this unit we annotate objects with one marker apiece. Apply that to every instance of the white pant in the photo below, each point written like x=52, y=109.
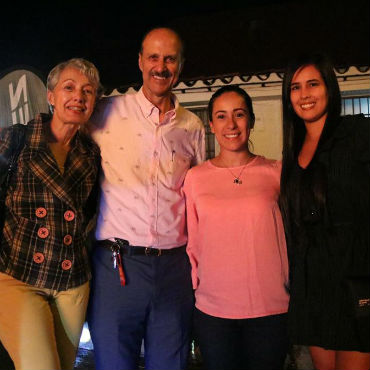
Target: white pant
x=41, y=328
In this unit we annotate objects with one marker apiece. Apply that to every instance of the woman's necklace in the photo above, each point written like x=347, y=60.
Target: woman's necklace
x=237, y=179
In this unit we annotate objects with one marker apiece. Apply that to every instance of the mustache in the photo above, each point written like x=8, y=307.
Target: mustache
x=163, y=74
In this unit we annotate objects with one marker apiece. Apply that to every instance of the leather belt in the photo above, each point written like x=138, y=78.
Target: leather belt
x=130, y=250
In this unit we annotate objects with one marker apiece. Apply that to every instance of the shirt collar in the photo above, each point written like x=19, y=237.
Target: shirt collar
x=148, y=107
x=37, y=139
x=36, y=127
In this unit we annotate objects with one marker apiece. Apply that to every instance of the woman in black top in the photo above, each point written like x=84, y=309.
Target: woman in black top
x=325, y=205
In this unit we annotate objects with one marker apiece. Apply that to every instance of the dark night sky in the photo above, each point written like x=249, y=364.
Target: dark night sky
x=244, y=37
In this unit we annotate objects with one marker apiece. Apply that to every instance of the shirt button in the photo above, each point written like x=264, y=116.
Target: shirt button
x=69, y=215
x=42, y=232
x=40, y=212
x=38, y=257
x=66, y=264
x=67, y=240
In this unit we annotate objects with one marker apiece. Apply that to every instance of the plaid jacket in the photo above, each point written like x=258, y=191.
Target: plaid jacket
x=45, y=233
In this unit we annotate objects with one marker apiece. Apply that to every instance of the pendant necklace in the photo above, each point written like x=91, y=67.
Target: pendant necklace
x=237, y=179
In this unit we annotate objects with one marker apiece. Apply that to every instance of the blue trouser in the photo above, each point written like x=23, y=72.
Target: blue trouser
x=155, y=305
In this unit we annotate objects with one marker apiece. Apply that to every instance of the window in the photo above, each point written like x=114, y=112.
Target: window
x=356, y=105
x=210, y=137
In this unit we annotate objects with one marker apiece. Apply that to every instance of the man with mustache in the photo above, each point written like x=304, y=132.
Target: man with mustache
x=141, y=285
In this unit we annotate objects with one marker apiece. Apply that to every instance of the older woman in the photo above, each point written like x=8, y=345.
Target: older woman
x=44, y=269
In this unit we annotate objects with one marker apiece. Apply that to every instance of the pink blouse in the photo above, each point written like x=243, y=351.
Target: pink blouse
x=236, y=240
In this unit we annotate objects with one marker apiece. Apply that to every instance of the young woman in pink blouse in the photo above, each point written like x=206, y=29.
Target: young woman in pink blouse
x=237, y=246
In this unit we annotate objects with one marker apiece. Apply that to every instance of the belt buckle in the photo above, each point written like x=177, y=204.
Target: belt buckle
x=150, y=251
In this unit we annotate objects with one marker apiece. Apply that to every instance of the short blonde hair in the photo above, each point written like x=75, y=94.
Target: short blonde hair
x=82, y=65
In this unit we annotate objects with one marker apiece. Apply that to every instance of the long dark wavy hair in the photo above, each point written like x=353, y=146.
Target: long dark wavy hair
x=293, y=136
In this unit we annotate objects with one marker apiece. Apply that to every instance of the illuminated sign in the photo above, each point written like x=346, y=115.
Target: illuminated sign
x=22, y=96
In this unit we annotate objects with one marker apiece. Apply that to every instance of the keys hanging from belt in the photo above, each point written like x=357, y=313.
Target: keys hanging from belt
x=117, y=262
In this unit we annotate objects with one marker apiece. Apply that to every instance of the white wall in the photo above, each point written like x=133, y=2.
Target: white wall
x=266, y=137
